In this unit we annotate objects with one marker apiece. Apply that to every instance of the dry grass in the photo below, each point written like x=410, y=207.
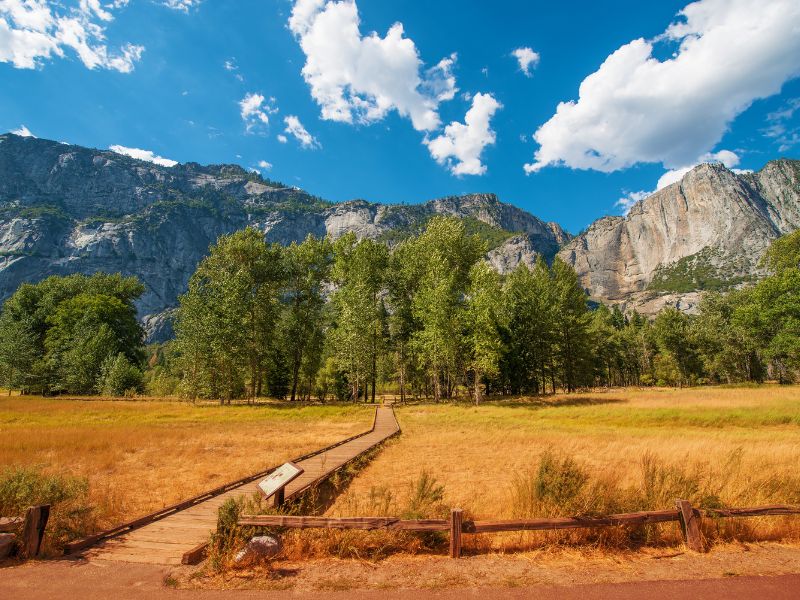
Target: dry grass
x=141, y=455
x=632, y=450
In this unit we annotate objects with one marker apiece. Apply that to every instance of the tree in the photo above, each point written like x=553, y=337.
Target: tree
x=675, y=343
x=308, y=270
x=18, y=353
x=439, y=263
x=571, y=326
x=483, y=323
x=227, y=320
x=55, y=334
x=359, y=271
x=83, y=333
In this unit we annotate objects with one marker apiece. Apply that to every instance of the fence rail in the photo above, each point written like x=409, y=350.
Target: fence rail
x=684, y=513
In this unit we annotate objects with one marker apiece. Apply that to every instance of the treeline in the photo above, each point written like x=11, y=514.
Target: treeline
x=75, y=334
x=430, y=318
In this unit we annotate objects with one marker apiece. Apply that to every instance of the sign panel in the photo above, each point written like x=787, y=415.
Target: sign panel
x=279, y=478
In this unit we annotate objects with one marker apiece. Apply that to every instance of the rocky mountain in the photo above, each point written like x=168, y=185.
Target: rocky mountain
x=708, y=231
x=68, y=209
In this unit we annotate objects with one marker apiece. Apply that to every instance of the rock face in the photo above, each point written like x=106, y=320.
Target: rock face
x=708, y=231
x=67, y=209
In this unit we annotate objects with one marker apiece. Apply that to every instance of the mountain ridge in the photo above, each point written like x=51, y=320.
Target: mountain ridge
x=67, y=209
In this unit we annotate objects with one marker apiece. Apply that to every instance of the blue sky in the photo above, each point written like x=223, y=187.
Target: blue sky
x=442, y=108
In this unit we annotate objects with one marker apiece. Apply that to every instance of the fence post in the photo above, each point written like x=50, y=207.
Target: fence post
x=690, y=523
x=456, y=519
x=33, y=530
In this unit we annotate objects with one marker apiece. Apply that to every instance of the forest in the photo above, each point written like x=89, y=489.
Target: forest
x=350, y=319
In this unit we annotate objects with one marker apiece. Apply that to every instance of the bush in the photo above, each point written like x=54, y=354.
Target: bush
x=118, y=377
x=71, y=517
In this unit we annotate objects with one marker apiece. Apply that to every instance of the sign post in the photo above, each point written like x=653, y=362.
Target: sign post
x=273, y=485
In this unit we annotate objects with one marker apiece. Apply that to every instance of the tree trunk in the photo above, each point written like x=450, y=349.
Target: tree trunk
x=477, y=387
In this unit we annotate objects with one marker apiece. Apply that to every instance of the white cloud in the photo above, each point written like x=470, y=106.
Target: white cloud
x=230, y=65
x=34, y=31
x=636, y=108
x=181, y=5
x=282, y=138
x=262, y=164
x=779, y=129
x=295, y=128
x=140, y=154
x=23, y=131
x=629, y=199
x=361, y=78
x=461, y=144
x=527, y=59
x=255, y=110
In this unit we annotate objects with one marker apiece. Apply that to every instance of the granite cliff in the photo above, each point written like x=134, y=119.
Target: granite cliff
x=68, y=209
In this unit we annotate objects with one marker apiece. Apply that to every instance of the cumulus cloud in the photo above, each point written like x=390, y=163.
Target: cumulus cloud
x=461, y=144
x=262, y=164
x=282, y=138
x=527, y=59
x=295, y=128
x=23, y=131
x=34, y=31
x=636, y=108
x=140, y=154
x=361, y=78
x=181, y=5
x=255, y=110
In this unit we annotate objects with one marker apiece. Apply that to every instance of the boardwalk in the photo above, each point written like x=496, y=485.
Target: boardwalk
x=164, y=541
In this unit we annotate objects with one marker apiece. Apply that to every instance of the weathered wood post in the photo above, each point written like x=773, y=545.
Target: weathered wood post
x=690, y=523
x=278, y=497
x=456, y=520
x=33, y=530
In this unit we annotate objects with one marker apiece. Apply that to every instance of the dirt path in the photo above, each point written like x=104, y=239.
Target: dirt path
x=99, y=580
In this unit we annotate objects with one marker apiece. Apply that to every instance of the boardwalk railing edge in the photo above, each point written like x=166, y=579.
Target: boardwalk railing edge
x=89, y=541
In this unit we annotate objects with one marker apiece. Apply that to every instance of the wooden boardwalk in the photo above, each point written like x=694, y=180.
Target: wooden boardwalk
x=165, y=541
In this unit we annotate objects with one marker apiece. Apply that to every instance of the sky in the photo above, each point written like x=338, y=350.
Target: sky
x=571, y=111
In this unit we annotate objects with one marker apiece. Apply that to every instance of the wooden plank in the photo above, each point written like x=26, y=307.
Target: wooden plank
x=640, y=518
x=33, y=530
x=195, y=555
x=456, y=517
x=758, y=511
x=366, y=523
x=690, y=521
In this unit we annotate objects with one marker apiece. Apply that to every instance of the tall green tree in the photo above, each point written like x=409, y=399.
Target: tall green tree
x=308, y=271
x=571, y=326
x=439, y=262
x=227, y=320
x=359, y=271
x=484, y=321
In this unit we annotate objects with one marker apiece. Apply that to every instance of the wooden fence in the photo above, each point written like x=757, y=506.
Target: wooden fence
x=33, y=525
x=684, y=513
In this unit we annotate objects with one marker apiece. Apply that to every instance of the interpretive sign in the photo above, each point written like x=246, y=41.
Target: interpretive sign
x=279, y=478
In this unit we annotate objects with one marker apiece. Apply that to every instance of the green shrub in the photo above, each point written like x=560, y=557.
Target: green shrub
x=119, y=377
